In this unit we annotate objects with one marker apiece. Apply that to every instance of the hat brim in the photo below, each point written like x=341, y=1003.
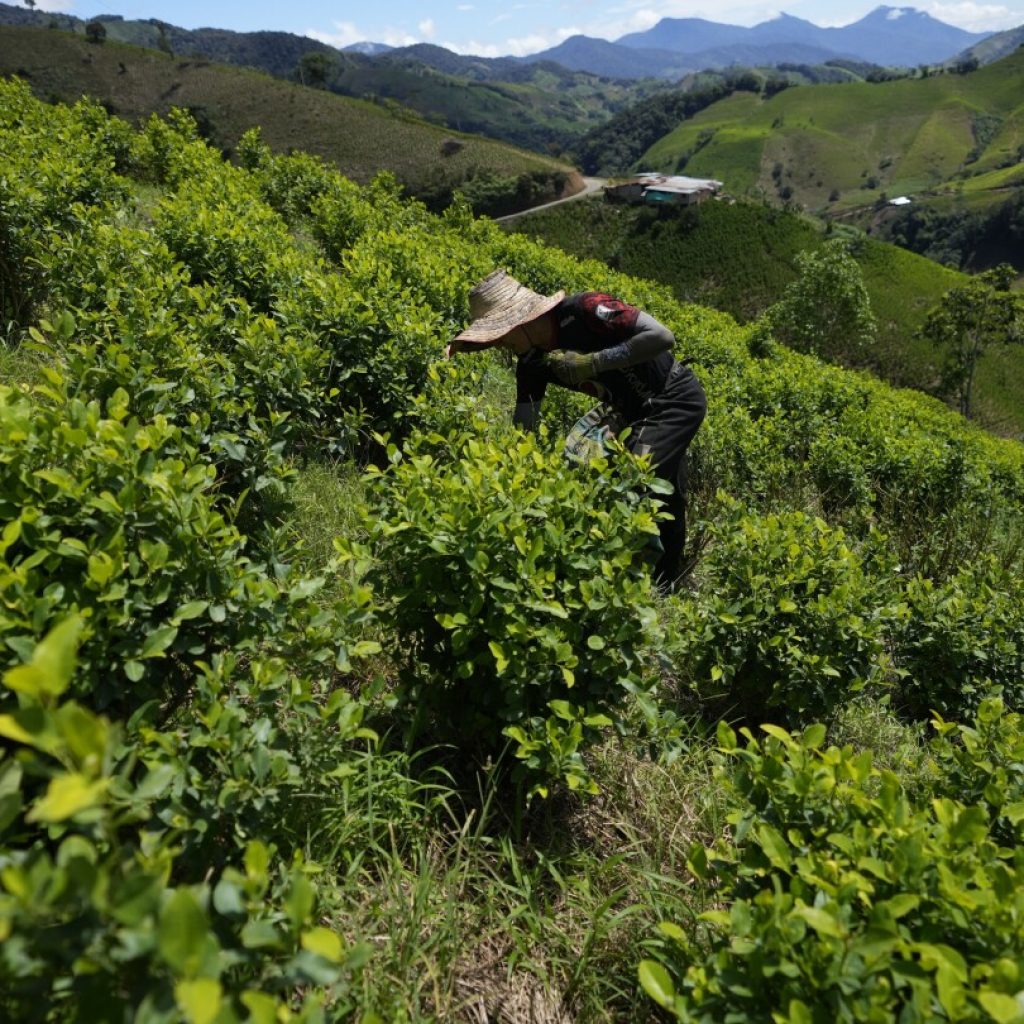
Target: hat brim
x=490, y=329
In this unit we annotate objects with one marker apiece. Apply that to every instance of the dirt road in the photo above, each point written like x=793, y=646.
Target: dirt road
x=590, y=186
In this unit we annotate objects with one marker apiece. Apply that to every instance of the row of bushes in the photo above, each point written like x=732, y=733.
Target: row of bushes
x=793, y=618
x=255, y=351
x=849, y=896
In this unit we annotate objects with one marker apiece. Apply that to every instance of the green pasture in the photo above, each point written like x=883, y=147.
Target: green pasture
x=900, y=137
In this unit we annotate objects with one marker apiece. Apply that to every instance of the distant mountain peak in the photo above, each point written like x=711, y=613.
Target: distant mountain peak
x=368, y=49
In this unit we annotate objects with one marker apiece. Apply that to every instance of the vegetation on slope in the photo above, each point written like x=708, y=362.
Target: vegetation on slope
x=236, y=618
x=358, y=137
x=739, y=257
x=538, y=106
x=840, y=148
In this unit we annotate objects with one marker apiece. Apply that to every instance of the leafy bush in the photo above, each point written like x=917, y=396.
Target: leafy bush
x=845, y=900
x=244, y=391
x=107, y=906
x=521, y=618
x=982, y=762
x=118, y=521
x=960, y=637
x=826, y=311
x=55, y=166
x=789, y=620
x=227, y=238
x=289, y=184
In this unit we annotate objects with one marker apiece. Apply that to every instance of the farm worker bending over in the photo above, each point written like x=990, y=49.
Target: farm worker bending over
x=605, y=348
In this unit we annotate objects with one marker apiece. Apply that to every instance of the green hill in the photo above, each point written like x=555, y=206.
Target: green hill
x=840, y=148
x=739, y=257
x=537, y=106
x=360, y=138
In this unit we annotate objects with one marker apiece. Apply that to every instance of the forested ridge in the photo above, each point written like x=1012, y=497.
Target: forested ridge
x=328, y=695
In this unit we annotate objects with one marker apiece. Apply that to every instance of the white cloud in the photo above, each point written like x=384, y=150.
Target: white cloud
x=522, y=45
x=639, y=15
x=465, y=7
x=643, y=19
x=976, y=17
x=55, y=6
x=428, y=28
x=346, y=33
x=518, y=46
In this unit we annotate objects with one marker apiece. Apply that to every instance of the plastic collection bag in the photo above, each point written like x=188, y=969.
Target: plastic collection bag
x=591, y=433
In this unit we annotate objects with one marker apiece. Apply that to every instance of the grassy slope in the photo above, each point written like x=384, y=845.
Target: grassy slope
x=541, y=110
x=739, y=258
x=911, y=135
x=547, y=110
x=360, y=138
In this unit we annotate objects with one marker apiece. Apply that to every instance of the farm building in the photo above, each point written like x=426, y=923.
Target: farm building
x=661, y=188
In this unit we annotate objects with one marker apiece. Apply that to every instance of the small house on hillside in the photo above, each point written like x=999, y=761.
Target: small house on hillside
x=900, y=201
x=658, y=189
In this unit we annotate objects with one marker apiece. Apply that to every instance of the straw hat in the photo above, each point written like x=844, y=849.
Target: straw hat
x=498, y=304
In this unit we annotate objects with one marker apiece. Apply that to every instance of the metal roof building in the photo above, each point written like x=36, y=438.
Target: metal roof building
x=662, y=188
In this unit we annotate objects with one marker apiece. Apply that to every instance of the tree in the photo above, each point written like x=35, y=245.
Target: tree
x=95, y=32
x=826, y=311
x=315, y=67
x=163, y=43
x=967, y=323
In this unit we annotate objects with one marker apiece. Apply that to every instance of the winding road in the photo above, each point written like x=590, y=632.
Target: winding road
x=590, y=186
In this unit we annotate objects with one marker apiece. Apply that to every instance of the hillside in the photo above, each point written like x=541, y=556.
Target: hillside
x=739, y=257
x=358, y=137
x=538, y=106
x=995, y=47
x=328, y=695
x=841, y=148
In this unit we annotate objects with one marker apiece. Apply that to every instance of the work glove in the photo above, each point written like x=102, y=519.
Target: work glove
x=571, y=367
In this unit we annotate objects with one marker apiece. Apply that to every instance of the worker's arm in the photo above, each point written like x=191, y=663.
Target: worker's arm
x=649, y=340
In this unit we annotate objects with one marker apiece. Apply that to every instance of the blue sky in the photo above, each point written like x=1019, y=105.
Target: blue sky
x=513, y=27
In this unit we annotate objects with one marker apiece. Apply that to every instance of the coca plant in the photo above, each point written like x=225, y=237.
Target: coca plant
x=519, y=592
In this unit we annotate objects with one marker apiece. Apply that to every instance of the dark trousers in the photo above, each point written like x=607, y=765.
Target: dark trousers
x=670, y=422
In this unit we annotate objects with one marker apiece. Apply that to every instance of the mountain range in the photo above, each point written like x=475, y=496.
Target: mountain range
x=888, y=36
x=674, y=47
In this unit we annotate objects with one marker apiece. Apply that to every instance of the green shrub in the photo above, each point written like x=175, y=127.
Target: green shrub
x=379, y=342
x=109, y=907
x=55, y=166
x=843, y=900
x=789, y=619
x=289, y=184
x=227, y=238
x=982, y=762
x=958, y=638
x=246, y=392
x=118, y=521
x=519, y=591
